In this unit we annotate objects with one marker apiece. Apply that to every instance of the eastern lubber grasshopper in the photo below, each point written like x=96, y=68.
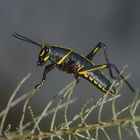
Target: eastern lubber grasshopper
x=71, y=62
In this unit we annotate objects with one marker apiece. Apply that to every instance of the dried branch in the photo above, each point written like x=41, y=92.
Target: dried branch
x=77, y=126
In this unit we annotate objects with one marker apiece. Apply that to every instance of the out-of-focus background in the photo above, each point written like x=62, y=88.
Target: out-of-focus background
x=79, y=25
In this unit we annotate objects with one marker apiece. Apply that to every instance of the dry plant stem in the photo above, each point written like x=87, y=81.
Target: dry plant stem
x=101, y=107
x=105, y=124
x=87, y=132
x=33, y=118
x=59, y=137
x=81, y=130
x=120, y=133
x=67, y=103
x=84, y=137
x=113, y=109
x=67, y=88
x=120, y=112
x=83, y=122
x=75, y=137
x=121, y=81
x=123, y=69
x=64, y=89
x=42, y=115
x=10, y=101
x=98, y=103
x=82, y=112
x=136, y=130
x=15, y=102
x=88, y=112
x=77, y=116
x=107, y=136
x=48, y=113
x=69, y=137
x=54, y=116
x=134, y=106
x=24, y=109
x=133, y=109
x=103, y=101
x=56, y=110
x=97, y=134
x=113, y=106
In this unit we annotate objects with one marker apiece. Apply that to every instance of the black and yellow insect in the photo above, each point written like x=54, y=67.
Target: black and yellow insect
x=67, y=60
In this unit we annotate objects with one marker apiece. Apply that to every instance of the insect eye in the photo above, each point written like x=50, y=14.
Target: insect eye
x=44, y=51
x=47, y=50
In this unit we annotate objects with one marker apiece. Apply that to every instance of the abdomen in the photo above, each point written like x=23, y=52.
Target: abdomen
x=101, y=81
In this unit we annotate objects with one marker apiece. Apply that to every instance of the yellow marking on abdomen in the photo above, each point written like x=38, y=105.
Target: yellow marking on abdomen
x=103, y=89
x=95, y=82
x=91, y=79
x=100, y=86
x=85, y=75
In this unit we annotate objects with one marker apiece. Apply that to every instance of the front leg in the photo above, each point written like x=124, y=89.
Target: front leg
x=46, y=70
x=77, y=77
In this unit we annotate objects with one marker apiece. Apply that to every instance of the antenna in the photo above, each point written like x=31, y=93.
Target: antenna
x=23, y=38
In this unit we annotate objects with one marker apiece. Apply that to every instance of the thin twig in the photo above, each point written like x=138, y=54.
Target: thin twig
x=56, y=110
x=48, y=113
x=136, y=130
x=77, y=116
x=101, y=107
x=15, y=102
x=10, y=101
x=97, y=134
x=120, y=133
x=84, y=137
x=42, y=115
x=24, y=109
x=67, y=103
x=33, y=118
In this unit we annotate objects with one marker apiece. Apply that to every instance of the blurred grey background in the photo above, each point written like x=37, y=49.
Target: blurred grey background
x=79, y=25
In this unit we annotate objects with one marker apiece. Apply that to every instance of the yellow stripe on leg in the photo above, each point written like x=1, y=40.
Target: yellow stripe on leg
x=96, y=49
x=98, y=68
